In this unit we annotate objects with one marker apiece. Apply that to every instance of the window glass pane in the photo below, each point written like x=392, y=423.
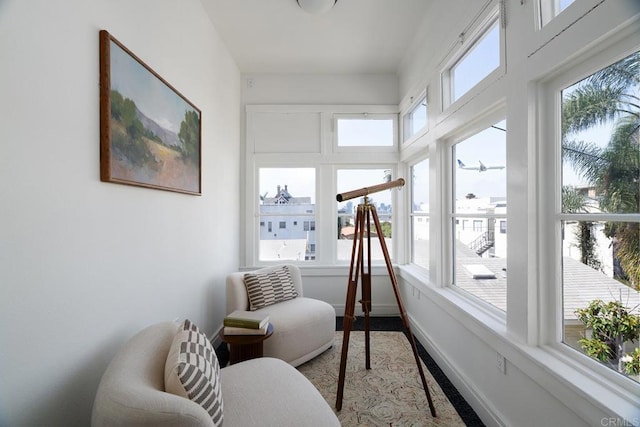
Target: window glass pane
x=549, y=9
x=287, y=206
x=480, y=170
x=419, y=213
x=416, y=119
x=480, y=208
x=601, y=175
x=564, y=4
x=480, y=264
x=369, y=132
x=481, y=59
x=600, y=297
x=600, y=150
x=355, y=179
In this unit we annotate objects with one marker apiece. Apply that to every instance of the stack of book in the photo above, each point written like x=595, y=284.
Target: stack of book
x=242, y=322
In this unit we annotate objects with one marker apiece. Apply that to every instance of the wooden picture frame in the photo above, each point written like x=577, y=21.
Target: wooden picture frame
x=150, y=135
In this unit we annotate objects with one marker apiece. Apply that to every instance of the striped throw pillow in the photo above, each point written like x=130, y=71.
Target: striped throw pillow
x=192, y=370
x=268, y=288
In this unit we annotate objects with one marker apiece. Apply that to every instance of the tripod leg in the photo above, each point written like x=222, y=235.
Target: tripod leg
x=366, y=291
x=366, y=308
x=403, y=312
x=347, y=326
x=347, y=322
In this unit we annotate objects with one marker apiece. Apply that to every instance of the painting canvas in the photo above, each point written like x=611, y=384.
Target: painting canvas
x=150, y=135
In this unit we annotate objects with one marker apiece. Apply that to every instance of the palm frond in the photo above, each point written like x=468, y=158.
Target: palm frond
x=588, y=106
x=605, y=95
x=624, y=74
x=572, y=200
x=619, y=179
x=585, y=157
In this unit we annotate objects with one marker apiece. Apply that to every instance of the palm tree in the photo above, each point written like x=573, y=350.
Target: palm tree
x=610, y=95
x=576, y=202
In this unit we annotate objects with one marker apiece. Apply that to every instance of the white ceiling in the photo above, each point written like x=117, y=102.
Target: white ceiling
x=356, y=36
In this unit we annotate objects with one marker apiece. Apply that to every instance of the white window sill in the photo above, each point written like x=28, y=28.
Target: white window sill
x=586, y=391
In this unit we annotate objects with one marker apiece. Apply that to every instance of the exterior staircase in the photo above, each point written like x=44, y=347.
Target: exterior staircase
x=483, y=243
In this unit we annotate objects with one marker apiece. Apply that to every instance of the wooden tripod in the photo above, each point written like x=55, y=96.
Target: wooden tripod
x=365, y=212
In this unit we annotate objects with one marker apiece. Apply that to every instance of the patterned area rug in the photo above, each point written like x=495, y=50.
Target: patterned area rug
x=389, y=394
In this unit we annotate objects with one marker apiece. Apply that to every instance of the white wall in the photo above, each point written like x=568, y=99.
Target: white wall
x=356, y=89
x=86, y=264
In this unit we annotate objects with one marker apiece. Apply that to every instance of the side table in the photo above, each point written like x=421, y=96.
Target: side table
x=245, y=347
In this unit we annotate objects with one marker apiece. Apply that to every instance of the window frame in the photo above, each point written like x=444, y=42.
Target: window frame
x=394, y=215
x=409, y=138
x=411, y=215
x=551, y=217
x=548, y=10
x=466, y=42
x=449, y=215
x=324, y=163
x=522, y=335
x=275, y=224
x=393, y=148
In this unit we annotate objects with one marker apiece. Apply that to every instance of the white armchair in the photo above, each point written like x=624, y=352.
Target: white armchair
x=303, y=327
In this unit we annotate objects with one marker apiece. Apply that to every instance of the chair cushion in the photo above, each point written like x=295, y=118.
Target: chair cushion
x=269, y=288
x=302, y=329
x=270, y=392
x=192, y=370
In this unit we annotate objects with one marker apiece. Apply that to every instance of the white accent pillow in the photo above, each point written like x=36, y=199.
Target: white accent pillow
x=269, y=288
x=192, y=370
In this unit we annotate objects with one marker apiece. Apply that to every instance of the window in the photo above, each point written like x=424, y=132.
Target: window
x=600, y=216
x=476, y=63
x=365, y=130
x=416, y=118
x=479, y=200
x=355, y=179
x=419, y=213
x=287, y=194
x=549, y=9
x=292, y=154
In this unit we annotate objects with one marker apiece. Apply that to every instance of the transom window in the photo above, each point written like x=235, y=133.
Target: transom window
x=365, y=130
x=415, y=120
x=549, y=9
x=479, y=60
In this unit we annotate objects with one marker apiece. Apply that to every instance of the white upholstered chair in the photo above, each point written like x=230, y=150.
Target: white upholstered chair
x=303, y=327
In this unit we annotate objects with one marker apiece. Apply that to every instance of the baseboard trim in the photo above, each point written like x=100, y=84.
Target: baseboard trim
x=487, y=412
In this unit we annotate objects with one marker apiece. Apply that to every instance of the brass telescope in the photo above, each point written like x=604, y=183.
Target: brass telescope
x=369, y=190
x=366, y=220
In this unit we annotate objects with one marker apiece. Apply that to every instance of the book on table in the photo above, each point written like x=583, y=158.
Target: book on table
x=231, y=330
x=246, y=319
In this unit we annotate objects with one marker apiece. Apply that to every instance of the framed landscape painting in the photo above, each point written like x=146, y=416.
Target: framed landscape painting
x=150, y=135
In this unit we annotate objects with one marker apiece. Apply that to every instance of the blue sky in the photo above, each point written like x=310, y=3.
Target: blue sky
x=489, y=147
